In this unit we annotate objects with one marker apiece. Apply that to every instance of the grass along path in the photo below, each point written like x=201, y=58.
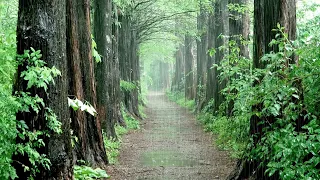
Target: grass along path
x=170, y=145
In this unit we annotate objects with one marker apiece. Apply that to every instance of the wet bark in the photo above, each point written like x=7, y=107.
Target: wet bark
x=107, y=70
x=177, y=84
x=164, y=75
x=129, y=64
x=188, y=68
x=239, y=30
x=239, y=27
x=41, y=25
x=202, y=57
x=218, y=27
x=86, y=127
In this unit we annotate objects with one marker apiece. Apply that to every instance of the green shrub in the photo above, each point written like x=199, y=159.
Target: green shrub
x=87, y=173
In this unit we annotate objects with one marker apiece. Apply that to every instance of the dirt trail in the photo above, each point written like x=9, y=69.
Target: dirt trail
x=171, y=145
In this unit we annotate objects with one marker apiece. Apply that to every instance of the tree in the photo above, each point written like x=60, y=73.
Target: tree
x=129, y=63
x=202, y=57
x=86, y=127
x=42, y=25
x=218, y=27
x=107, y=71
x=189, y=85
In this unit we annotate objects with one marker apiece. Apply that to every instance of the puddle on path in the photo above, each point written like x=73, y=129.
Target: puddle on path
x=166, y=159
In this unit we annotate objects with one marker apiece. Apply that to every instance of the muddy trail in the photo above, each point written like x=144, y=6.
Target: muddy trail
x=171, y=145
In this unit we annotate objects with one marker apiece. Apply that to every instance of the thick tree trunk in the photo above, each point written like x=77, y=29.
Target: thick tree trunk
x=189, y=86
x=239, y=30
x=86, y=127
x=164, y=75
x=239, y=25
x=41, y=25
x=179, y=70
x=202, y=57
x=116, y=68
x=106, y=70
x=210, y=84
x=219, y=27
x=129, y=64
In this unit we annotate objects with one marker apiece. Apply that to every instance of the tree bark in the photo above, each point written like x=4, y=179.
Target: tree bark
x=188, y=68
x=106, y=70
x=87, y=128
x=202, y=57
x=218, y=27
x=239, y=30
x=41, y=25
x=129, y=64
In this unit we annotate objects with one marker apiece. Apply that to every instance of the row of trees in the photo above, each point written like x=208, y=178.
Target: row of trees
x=61, y=30
x=223, y=44
x=95, y=45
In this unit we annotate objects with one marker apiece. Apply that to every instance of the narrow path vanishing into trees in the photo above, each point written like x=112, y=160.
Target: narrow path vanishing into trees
x=170, y=145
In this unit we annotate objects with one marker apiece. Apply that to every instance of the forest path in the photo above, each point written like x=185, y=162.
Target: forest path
x=171, y=145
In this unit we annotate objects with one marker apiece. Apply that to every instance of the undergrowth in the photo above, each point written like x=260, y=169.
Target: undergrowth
x=180, y=99
x=113, y=145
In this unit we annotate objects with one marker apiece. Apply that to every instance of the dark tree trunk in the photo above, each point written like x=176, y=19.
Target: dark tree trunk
x=239, y=25
x=211, y=74
x=129, y=64
x=41, y=25
x=107, y=70
x=179, y=70
x=202, y=57
x=164, y=75
x=188, y=68
x=79, y=45
x=219, y=27
x=267, y=14
x=239, y=30
x=116, y=80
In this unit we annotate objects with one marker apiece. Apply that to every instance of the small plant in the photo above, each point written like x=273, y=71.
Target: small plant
x=127, y=86
x=112, y=148
x=83, y=172
x=37, y=75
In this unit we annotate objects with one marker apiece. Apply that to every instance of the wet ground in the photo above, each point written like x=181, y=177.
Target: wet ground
x=171, y=145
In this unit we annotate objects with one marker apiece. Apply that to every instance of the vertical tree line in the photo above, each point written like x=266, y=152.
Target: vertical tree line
x=222, y=26
x=61, y=29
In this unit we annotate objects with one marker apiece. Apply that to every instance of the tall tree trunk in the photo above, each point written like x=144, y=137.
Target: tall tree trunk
x=239, y=25
x=211, y=74
x=41, y=25
x=106, y=71
x=164, y=75
x=202, y=57
x=179, y=70
x=219, y=27
x=129, y=64
x=189, y=86
x=79, y=45
x=239, y=30
x=116, y=68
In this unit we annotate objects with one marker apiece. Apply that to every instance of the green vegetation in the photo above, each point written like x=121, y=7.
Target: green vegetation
x=113, y=145
x=179, y=98
x=87, y=173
